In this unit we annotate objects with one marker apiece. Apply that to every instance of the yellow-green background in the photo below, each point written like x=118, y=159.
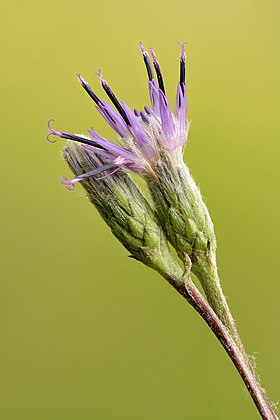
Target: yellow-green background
x=87, y=333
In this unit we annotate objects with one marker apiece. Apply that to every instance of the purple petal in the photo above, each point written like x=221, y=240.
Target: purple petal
x=136, y=112
x=181, y=108
x=70, y=184
x=151, y=113
x=113, y=118
x=154, y=97
x=142, y=140
x=112, y=148
x=144, y=117
x=166, y=117
x=99, y=152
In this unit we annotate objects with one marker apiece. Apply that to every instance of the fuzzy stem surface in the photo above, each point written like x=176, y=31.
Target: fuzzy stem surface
x=232, y=345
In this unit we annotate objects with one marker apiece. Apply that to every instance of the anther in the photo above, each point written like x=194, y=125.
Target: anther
x=113, y=98
x=88, y=89
x=146, y=61
x=182, y=65
x=158, y=71
x=69, y=136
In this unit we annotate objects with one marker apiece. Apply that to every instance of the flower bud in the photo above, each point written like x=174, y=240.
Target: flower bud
x=181, y=210
x=188, y=226
x=124, y=209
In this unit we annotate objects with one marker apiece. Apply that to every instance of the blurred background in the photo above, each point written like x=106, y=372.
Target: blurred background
x=87, y=333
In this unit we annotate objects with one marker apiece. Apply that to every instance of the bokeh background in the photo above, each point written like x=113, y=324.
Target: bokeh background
x=87, y=333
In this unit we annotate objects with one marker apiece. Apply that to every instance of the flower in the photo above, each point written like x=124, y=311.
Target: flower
x=151, y=144
x=144, y=136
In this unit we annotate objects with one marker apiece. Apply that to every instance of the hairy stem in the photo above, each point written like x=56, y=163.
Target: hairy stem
x=232, y=345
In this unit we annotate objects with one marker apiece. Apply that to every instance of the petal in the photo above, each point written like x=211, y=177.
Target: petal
x=181, y=108
x=154, y=97
x=166, y=117
x=112, y=148
x=113, y=118
x=142, y=139
x=70, y=183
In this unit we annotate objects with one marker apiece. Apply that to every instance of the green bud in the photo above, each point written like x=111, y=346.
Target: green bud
x=126, y=211
x=188, y=226
x=181, y=210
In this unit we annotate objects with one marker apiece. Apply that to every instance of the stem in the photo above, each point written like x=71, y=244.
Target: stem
x=206, y=272
x=209, y=279
x=234, y=349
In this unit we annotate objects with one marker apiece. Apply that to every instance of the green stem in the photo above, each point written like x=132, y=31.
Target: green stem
x=209, y=279
x=232, y=344
x=217, y=301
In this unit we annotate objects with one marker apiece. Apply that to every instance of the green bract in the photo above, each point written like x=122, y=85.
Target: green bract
x=126, y=211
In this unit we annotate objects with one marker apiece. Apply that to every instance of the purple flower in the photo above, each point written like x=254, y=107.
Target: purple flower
x=143, y=135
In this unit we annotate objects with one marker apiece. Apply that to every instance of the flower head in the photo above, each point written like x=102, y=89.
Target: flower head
x=143, y=135
x=150, y=143
x=125, y=210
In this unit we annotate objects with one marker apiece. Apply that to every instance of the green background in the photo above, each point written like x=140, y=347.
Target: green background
x=87, y=333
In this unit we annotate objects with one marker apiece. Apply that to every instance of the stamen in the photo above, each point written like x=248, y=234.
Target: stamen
x=158, y=71
x=88, y=89
x=101, y=105
x=146, y=61
x=182, y=64
x=113, y=97
x=69, y=136
x=52, y=132
x=136, y=112
x=70, y=184
x=76, y=138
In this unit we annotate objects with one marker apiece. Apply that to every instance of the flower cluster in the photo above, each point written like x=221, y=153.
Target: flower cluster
x=151, y=143
x=143, y=135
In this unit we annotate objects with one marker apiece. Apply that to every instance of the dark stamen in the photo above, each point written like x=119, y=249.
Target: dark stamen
x=73, y=137
x=182, y=65
x=79, y=139
x=179, y=101
x=158, y=71
x=147, y=62
x=113, y=98
x=88, y=89
x=108, y=114
x=182, y=71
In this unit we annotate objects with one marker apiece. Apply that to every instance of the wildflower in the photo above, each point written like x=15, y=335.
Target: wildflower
x=143, y=135
x=151, y=144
